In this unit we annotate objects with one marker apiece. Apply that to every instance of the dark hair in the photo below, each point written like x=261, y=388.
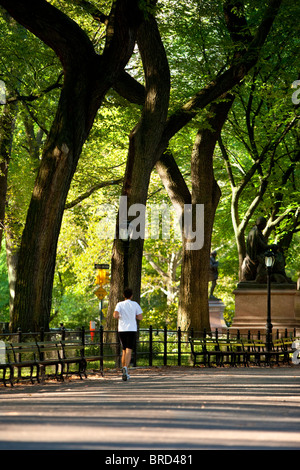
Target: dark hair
x=127, y=293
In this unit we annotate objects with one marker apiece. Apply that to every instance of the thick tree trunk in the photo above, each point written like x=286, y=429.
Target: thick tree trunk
x=193, y=298
x=39, y=240
x=193, y=307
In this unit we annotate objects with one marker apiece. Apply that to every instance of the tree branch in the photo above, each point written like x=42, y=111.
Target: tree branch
x=54, y=28
x=36, y=96
x=227, y=80
x=92, y=10
x=90, y=191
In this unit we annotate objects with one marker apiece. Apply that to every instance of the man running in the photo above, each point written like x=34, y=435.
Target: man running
x=127, y=312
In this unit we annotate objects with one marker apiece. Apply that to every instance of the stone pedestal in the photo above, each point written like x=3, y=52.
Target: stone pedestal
x=251, y=306
x=216, y=310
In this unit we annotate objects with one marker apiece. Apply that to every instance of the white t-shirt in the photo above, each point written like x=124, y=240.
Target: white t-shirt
x=128, y=310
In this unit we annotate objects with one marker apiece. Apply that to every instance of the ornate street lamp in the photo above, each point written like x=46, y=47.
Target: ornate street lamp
x=269, y=262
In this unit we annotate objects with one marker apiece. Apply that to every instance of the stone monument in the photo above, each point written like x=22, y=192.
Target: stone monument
x=251, y=292
x=216, y=310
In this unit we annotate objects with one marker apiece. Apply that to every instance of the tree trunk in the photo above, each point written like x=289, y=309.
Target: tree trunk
x=193, y=298
x=39, y=240
x=193, y=305
x=194, y=309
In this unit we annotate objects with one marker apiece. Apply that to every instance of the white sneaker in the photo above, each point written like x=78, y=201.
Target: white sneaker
x=124, y=373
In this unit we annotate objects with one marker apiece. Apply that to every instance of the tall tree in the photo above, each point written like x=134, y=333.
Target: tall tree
x=87, y=78
x=193, y=299
x=143, y=149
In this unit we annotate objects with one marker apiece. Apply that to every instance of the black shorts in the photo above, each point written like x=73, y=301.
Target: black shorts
x=127, y=339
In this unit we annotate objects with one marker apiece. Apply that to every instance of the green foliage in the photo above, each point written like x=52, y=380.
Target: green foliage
x=157, y=312
x=74, y=310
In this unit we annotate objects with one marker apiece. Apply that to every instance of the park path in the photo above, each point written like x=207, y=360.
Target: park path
x=158, y=409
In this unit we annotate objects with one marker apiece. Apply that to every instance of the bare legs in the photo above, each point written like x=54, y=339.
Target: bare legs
x=126, y=357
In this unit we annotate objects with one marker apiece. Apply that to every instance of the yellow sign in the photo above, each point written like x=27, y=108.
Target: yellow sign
x=100, y=293
x=102, y=277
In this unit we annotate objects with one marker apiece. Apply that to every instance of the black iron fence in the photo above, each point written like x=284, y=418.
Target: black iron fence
x=154, y=347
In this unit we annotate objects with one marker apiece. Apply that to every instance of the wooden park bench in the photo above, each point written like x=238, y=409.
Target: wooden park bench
x=235, y=352
x=205, y=351
x=18, y=356
x=39, y=355
x=273, y=353
x=61, y=354
x=220, y=351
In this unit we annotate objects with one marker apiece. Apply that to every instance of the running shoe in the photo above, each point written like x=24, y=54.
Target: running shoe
x=124, y=373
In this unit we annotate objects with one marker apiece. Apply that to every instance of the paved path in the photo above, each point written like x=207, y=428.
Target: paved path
x=158, y=409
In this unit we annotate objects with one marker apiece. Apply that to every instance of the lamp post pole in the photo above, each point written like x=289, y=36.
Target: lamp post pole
x=269, y=261
x=269, y=323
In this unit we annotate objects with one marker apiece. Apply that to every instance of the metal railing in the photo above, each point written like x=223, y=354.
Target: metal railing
x=154, y=347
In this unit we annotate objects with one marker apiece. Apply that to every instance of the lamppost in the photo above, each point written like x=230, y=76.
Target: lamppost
x=269, y=262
